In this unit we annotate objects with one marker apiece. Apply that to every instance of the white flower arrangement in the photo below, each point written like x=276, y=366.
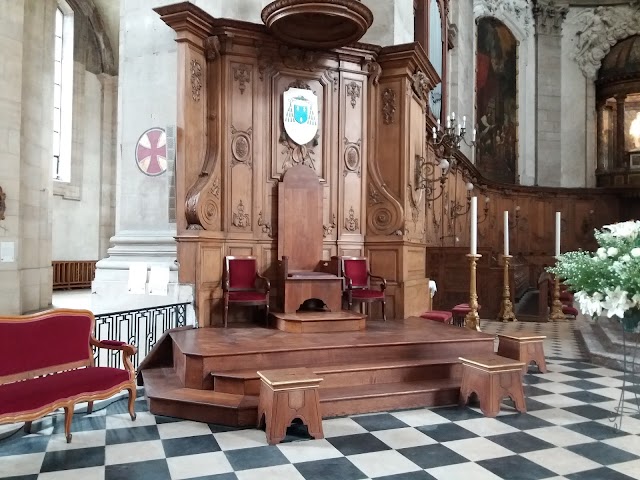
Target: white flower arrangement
x=608, y=279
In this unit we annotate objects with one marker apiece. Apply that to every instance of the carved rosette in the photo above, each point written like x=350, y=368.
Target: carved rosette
x=242, y=76
x=598, y=30
x=351, y=223
x=549, y=18
x=196, y=80
x=388, y=105
x=352, y=156
x=353, y=91
x=3, y=204
x=241, y=147
x=240, y=218
x=512, y=12
x=201, y=207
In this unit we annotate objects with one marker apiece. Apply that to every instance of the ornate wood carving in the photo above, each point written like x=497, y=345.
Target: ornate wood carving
x=240, y=218
x=351, y=223
x=375, y=70
x=215, y=187
x=295, y=154
x=299, y=84
x=242, y=76
x=212, y=48
x=266, y=226
x=352, y=157
x=421, y=85
x=328, y=229
x=196, y=80
x=388, y=105
x=353, y=91
x=298, y=58
x=374, y=195
x=3, y=204
x=241, y=148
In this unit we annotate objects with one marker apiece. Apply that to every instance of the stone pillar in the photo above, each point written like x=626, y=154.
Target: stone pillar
x=393, y=22
x=548, y=20
x=107, y=161
x=621, y=148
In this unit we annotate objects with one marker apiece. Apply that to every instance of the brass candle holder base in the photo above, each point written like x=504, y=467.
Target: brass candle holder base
x=472, y=319
x=556, y=313
x=506, y=308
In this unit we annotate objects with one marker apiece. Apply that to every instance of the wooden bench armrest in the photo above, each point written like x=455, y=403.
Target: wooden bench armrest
x=127, y=350
x=267, y=283
x=383, y=285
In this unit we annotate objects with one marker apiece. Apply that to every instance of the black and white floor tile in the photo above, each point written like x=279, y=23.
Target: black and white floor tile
x=566, y=434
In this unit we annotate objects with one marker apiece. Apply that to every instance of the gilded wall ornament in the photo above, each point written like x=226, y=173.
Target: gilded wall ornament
x=388, y=105
x=196, y=80
x=240, y=218
x=353, y=91
x=242, y=76
x=351, y=223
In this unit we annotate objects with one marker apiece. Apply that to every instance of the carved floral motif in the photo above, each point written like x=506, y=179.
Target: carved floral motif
x=598, y=30
x=549, y=17
x=241, y=146
x=295, y=154
x=196, y=80
x=215, y=187
x=240, y=218
x=353, y=91
x=328, y=229
x=375, y=70
x=266, y=226
x=351, y=223
x=388, y=105
x=242, y=76
x=519, y=11
x=297, y=58
x=374, y=195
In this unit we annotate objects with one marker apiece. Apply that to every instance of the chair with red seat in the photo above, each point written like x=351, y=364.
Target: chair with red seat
x=239, y=281
x=357, y=278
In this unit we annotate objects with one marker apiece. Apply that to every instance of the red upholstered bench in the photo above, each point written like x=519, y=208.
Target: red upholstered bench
x=46, y=363
x=459, y=312
x=438, y=316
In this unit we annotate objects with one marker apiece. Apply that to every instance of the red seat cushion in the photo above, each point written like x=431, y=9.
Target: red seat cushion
x=36, y=393
x=462, y=308
x=437, y=315
x=570, y=310
x=367, y=293
x=247, y=296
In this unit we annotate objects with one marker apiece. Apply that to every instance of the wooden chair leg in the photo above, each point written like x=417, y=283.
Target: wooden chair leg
x=68, y=418
x=27, y=427
x=266, y=314
x=90, y=407
x=384, y=310
x=226, y=311
x=132, y=403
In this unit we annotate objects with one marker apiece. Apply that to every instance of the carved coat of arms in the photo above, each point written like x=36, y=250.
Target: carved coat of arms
x=300, y=107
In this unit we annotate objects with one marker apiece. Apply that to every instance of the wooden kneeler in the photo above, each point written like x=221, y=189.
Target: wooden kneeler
x=285, y=395
x=524, y=348
x=492, y=378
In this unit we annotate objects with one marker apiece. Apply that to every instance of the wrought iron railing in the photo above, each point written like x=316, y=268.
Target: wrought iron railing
x=142, y=328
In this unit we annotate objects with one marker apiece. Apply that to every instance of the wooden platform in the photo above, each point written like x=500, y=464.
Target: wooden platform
x=210, y=374
x=319, y=322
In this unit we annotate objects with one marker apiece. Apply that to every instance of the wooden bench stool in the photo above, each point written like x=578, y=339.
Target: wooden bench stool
x=524, y=348
x=285, y=395
x=492, y=378
x=459, y=312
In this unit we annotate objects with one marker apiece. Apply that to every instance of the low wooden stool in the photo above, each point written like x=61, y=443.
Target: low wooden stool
x=524, y=348
x=492, y=378
x=459, y=312
x=285, y=395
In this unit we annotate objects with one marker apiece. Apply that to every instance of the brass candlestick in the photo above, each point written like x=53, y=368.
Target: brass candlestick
x=556, y=313
x=506, y=308
x=472, y=319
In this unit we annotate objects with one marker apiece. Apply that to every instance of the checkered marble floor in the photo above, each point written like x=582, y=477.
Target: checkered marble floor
x=566, y=434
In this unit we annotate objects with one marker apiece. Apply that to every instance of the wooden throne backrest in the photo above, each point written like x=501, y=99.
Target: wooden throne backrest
x=300, y=218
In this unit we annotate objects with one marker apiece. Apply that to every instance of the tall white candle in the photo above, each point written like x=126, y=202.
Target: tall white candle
x=558, y=223
x=506, y=232
x=474, y=225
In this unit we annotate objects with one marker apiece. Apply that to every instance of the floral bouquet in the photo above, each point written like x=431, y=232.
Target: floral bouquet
x=608, y=279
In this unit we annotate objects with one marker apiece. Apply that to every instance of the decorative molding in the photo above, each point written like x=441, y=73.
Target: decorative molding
x=212, y=48
x=388, y=105
x=598, y=30
x=515, y=13
x=295, y=154
x=375, y=70
x=196, y=80
x=331, y=75
x=352, y=157
x=240, y=218
x=3, y=204
x=241, y=147
x=328, y=229
x=265, y=61
x=299, y=84
x=374, y=195
x=421, y=85
x=215, y=187
x=201, y=205
x=351, y=223
x=353, y=91
x=452, y=35
x=298, y=58
x=549, y=17
x=266, y=226
x=242, y=76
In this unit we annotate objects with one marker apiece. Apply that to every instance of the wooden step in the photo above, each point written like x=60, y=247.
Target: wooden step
x=166, y=396
x=388, y=396
x=246, y=382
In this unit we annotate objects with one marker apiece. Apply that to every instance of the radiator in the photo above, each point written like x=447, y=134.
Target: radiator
x=73, y=274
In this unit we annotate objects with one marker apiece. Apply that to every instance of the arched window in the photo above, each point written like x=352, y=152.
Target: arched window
x=430, y=26
x=62, y=93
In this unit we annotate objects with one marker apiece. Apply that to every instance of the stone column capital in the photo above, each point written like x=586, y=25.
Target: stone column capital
x=549, y=17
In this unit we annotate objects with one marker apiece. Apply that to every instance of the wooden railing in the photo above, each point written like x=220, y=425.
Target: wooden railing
x=73, y=274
